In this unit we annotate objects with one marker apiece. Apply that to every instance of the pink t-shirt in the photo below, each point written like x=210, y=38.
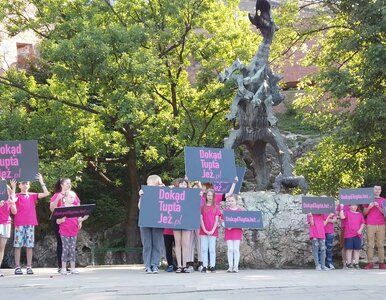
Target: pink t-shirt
x=233, y=234
x=374, y=216
x=168, y=231
x=26, y=209
x=5, y=211
x=329, y=228
x=317, y=230
x=346, y=208
x=209, y=216
x=354, y=221
x=70, y=226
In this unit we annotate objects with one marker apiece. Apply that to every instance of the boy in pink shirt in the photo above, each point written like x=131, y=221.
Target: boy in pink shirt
x=25, y=222
x=317, y=235
x=375, y=222
x=329, y=220
x=354, y=225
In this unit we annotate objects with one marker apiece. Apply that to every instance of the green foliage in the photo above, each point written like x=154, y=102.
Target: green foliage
x=346, y=99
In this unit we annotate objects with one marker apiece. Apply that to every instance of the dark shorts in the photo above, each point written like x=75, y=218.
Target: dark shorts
x=353, y=243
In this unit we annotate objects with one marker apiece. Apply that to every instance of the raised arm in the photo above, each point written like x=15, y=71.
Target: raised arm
x=43, y=185
x=232, y=189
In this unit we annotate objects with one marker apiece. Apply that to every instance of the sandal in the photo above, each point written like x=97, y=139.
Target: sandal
x=179, y=270
x=18, y=271
x=29, y=271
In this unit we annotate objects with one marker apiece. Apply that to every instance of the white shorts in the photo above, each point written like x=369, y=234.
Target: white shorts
x=5, y=231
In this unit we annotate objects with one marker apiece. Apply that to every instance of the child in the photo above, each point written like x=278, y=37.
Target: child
x=151, y=237
x=25, y=222
x=317, y=235
x=68, y=229
x=210, y=213
x=233, y=236
x=182, y=237
x=354, y=225
x=6, y=207
x=330, y=219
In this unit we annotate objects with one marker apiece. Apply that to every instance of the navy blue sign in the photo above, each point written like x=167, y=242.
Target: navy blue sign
x=224, y=187
x=356, y=196
x=243, y=219
x=164, y=207
x=318, y=205
x=19, y=160
x=3, y=190
x=73, y=211
x=210, y=164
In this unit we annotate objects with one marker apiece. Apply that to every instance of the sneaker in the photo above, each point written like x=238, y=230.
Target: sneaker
x=74, y=271
x=200, y=267
x=350, y=266
x=170, y=268
x=235, y=270
x=230, y=270
x=212, y=269
x=356, y=266
x=203, y=270
x=382, y=266
x=190, y=269
x=63, y=271
x=331, y=266
x=369, y=266
x=324, y=268
x=155, y=270
x=148, y=271
x=29, y=271
x=318, y=268
x=18, y=271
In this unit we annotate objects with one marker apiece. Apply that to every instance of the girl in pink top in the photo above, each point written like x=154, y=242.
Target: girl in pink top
x=233, y=236
x=354, y=225
x=6, y=207
x=68, y=229
x=210, y=214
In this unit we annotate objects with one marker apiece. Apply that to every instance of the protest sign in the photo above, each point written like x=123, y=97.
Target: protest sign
x=19, y=160
x=224, y=187
x=164, y=207
x=243, y=219
x=356, y=196
x=73, y=211
x=210, y=164
x=318, y=205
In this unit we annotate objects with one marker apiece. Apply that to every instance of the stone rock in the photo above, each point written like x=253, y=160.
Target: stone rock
x=284, y=241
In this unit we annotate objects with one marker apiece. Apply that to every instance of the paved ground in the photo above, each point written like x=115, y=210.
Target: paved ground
x=130, y=282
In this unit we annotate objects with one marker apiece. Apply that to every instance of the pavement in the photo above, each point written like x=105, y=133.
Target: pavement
x=131, y=282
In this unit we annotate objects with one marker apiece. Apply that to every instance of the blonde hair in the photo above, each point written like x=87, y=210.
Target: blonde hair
x=154, y=180
x=69, y=194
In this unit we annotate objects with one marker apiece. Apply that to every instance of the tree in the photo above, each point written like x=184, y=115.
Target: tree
x=110, y=91
x=346, y=98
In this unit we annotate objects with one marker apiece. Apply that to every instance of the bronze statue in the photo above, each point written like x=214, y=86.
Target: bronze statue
x=257, y=93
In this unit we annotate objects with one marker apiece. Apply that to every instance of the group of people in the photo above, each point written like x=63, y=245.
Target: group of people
x=354, y=220
x=155, y=240
x=23, y=206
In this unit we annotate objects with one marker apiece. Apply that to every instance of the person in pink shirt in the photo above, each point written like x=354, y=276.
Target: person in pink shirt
x=6, y=207
x=233, y=237
x=318, y=235
x=354, y=225
x=329, y=220
x=375, y=221
x=25, y=222
x=210, y=213
x=68, y=229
